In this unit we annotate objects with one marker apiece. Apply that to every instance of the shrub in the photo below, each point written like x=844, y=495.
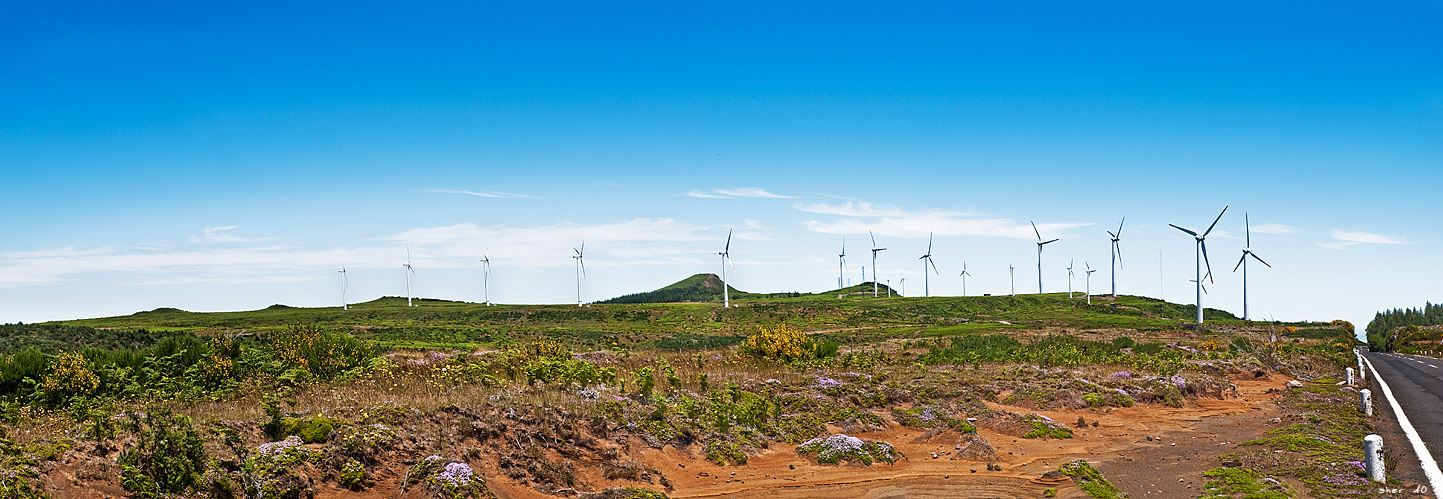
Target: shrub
x=1045, y=427
x=447, y=479
x=353, y=475
x=69, y=377
x=326, y=354
x=168, y=456
x=841, y=447
x=785, y=344
x=1090, y=481
x=723, y=452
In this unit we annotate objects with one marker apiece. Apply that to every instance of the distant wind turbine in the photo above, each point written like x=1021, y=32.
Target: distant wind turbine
x=580, y=269
x=1070, y=264
x=927, y=260
x=1116, y=254
x=842, y=264
x=1090, y=270
x=343, y=289
x=1040, y=243
x=1243, y=262
x=409, y=270
x=964, y=275
x=875, y=249
x=726, y=258
x=1202, y=259
x=486, y=275
x=1012, y=274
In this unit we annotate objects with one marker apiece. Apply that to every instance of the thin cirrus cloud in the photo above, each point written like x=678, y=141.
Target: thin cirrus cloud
x=743, y=192
x=632, y=242
x=491, y=194
x=548, y=246
x=1274, y=229
x=1343, y=239
x=861, y=217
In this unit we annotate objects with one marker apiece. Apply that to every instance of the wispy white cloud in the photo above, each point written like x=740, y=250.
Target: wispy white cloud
x=1275, y=229
x=741, y=192
x=221, y=234
x=633, y=242
x=1343, y=239
x=491, y=194
x=858, y=218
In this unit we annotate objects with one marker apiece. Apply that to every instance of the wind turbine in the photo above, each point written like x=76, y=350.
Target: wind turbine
x=343, y=289
x=875, y=249
x=964, y=275
x=726, y=256
x=1090, y=270
x=1070, y=263
x=1202, y=259
x=408, y=273
x=1040, y=243
x=1116, y=254
x=580, y=269
x=842, y=264
x=1243, y=262
x=486, y=275
x=1012, y=274
x=927, y=260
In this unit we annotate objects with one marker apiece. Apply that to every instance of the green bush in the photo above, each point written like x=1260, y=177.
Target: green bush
x=1092, y=482
x=168, y=455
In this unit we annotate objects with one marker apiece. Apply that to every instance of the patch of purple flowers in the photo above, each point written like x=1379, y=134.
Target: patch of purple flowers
x=1122, y=374
x=825, y=383
x=456, y=475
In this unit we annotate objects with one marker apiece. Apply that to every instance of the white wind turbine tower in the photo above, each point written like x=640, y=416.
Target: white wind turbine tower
x=1116, y=255
x=726, y=257
x=1070, y=264
x=927, y=260
x=580, y=269
x=343, y=289
x=964, y=275
x=1040, y=243
x=486, y=275
x=1090, y=270
x=1243, y=262
x=409, y=270
x=842, y=264
x=875, y=249
x=1202, y=259
x=1012, y=274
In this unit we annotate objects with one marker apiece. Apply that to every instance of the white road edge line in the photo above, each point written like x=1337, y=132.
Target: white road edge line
x=1430, y=467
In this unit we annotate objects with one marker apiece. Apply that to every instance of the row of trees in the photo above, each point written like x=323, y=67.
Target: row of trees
x=1384, y=329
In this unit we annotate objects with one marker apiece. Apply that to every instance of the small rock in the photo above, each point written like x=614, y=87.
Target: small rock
x=1295, y=384
x=1149, y=438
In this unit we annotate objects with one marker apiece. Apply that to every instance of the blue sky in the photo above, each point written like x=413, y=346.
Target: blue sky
x=225, y=157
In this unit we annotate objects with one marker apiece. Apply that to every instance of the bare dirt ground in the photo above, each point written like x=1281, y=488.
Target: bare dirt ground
x=1146, y=450
x=1185, y=443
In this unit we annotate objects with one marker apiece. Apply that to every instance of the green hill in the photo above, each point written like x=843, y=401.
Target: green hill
x=700, y=288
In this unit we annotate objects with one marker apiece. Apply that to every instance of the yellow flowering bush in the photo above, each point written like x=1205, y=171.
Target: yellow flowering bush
x=70, y=375
x=780, y=343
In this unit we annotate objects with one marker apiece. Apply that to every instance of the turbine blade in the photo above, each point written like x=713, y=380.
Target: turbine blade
x=1240, y=261
x=729, y=241
x=1110, y=234
x=1119, y=253
x=1194, y=234
x=934, y=266
x=1035, y=231
x=1052, y=241
x=874, y=238
x=1204, y=245
x=929, y=243
x=1215, y=222
x=1119, y=227
x=1248, y=230
x=1259, y=259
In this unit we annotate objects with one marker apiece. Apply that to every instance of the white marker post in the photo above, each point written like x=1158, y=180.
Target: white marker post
x=1362, y=373
x=1373, y=449
x=1366, y=402
x=1350, y=376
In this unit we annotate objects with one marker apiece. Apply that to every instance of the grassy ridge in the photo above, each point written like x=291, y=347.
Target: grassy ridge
x=850, y=318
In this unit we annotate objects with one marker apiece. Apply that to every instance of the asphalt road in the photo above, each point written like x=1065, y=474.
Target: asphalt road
x=1417, y=384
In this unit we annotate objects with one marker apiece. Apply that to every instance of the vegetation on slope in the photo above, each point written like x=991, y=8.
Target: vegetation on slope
x=1410, y=330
